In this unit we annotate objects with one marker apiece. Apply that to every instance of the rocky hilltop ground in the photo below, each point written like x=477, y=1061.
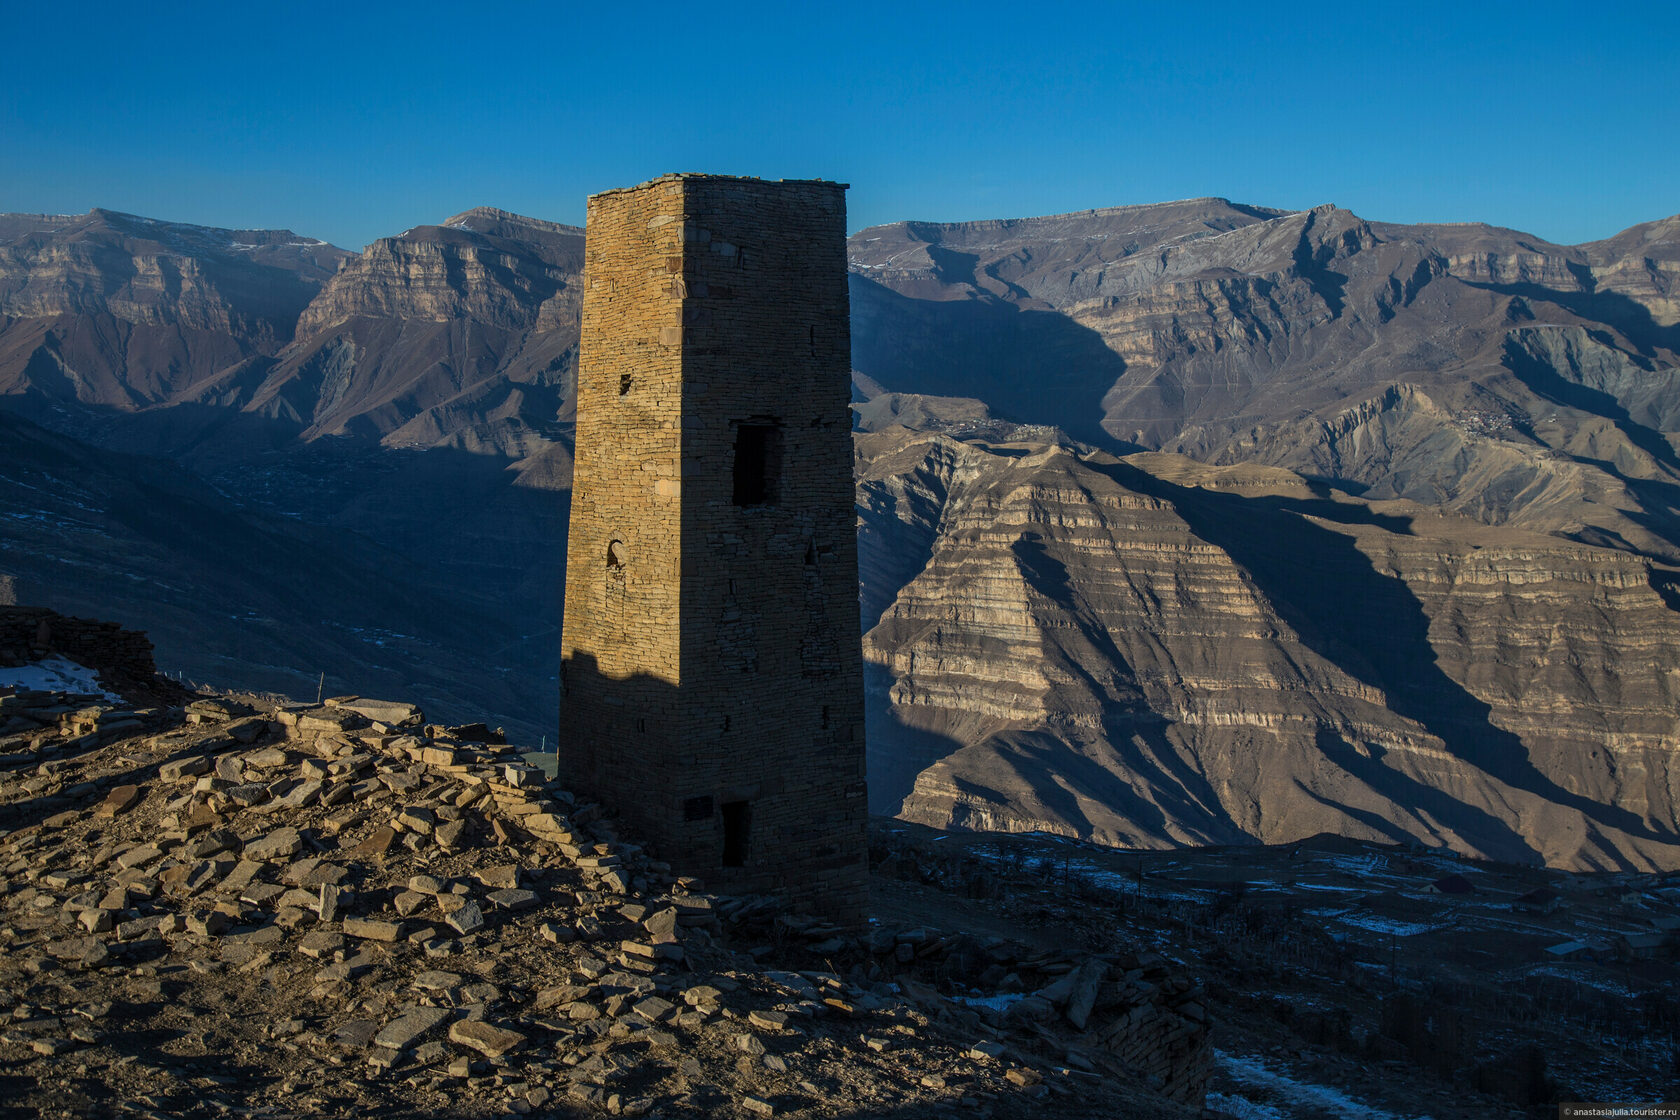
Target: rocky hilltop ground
x=210, y=905
x=1189, y=522
x=216, y=905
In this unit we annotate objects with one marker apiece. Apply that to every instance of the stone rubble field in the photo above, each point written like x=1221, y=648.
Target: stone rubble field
x=259, y=909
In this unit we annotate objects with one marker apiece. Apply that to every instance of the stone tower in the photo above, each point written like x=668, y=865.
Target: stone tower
x=711, y=671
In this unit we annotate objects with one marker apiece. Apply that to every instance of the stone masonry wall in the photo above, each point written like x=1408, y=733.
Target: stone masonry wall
x=123, y=658
x=711, y=656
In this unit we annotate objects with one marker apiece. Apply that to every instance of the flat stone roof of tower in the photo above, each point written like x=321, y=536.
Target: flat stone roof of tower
x=676, y=175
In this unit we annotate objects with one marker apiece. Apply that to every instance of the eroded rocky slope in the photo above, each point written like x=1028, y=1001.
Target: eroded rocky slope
x=461, y=335
x=1150, y=651
x=124, y=312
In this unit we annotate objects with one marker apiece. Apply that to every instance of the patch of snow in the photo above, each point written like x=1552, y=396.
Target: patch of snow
x=56, y=674
x=1353, y=865
x=1301, y=1095
x=1603, y=985
x=997, y=1003
x=1241, y=1108
x=1376, y=923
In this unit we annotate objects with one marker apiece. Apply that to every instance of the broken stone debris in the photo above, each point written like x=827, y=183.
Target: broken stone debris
x=436, y=913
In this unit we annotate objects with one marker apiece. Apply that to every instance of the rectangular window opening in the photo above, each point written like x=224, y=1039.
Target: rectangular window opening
x=737, y=819
x=758, y=462
x=697, y=809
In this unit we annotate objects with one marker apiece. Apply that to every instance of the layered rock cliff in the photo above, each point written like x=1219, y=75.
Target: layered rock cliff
x=461, y=335
x=118, y=311
x=1149, y=651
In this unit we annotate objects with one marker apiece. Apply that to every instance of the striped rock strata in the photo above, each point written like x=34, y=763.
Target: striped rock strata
x=1148, y=651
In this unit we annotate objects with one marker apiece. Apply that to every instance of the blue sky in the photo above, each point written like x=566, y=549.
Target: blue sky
x=352, y=121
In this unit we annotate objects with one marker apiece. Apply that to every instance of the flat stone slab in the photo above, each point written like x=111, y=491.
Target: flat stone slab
x=514, y=899
x=320, y=943
x=136, y=857
x=400, y=1032
x=372, y=929
x=435, y=980
x=175, y=770
x=490, y=1040
x=376, y=845
x=654, y=1009
x=467, y=919
x=356, y=1034
x=119, y=800
x=282, y=843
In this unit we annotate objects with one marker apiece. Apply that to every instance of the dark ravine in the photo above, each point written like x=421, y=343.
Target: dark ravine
x=1403, y=567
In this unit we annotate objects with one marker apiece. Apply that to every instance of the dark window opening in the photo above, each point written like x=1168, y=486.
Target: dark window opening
x=697, y=809
x=726, y=723
x=737, y=818
x=811, y=555
x=615, y=554
x=825, y=716
x=641, y=725
x=813, y=342
x=624, y=381
x=758, y=463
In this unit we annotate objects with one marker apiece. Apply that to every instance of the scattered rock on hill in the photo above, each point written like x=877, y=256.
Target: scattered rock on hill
x=318, y=911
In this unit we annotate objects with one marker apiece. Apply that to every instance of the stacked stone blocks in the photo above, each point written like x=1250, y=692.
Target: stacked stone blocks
x=712, y=679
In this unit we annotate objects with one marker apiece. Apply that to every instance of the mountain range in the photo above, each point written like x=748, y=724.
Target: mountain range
x=1187, y=523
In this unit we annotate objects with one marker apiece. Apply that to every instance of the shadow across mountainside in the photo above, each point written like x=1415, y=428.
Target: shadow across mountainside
x=1030, y=365
x=1373, y=627
x=314, y=580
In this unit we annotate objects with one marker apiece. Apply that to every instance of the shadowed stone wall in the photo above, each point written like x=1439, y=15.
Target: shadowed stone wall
x=711, y=672
x=123, y=658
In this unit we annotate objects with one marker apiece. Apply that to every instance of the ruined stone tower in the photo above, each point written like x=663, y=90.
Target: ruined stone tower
x=711, y=675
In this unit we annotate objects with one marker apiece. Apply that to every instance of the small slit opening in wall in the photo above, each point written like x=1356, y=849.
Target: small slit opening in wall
x=737, y=820
x=641, y=725
x=825, y=717
x=726, y=723
x=625, y=380
x=813, y=342
x=758, y=462
x=811, y=555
